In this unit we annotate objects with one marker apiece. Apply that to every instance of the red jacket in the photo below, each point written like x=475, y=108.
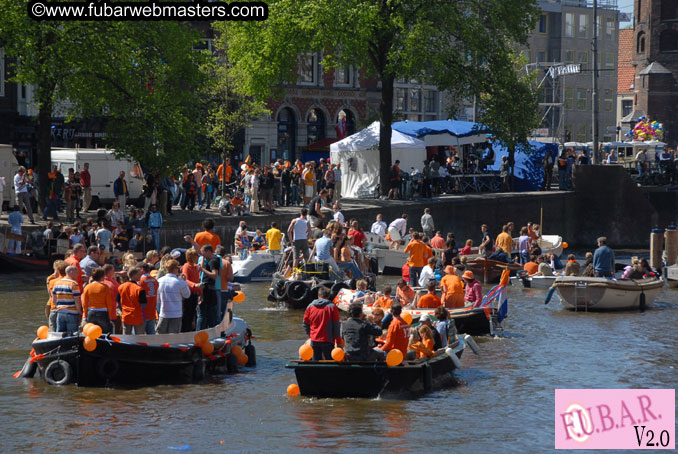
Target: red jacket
x=321, y=322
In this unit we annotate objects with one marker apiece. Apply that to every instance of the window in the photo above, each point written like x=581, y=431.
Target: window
x=401, y=99
x=22, y=92
x=583, y=26
x=415, y=100
x=640, y=44
x=583, y=59
x=307, y=69
x=413, y=117
x=668, y=41
x=569, y=99
x=669, y=10
x=608, y=100
x=599, y=26
x=581, y=132
x=543, y=23
x=627, y=107
x=345, y=123
x=610, y=27
x=570, y=56
x=582, y=98
x=609, y=60
x=343, y=76
x=640, y=5
x=315, y=126
x=569, y=25
x=541, y=56
x=430, y=101
x=287, y=134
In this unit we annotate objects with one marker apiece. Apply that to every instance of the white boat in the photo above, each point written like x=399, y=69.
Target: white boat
x=603, y=294
x=549, y=244
x=541, y=282
x=389, y=261
x=259, y=266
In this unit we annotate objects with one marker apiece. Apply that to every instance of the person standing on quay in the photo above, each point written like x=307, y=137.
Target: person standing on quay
x=603, y=259
x=86, y=183
x=154, y=225
x=120, y=191
x=21, y=191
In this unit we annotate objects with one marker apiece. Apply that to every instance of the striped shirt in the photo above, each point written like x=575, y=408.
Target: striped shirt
x=64, y=293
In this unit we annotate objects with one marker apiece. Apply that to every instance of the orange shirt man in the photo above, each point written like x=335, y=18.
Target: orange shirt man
x=453, y=289
x=396, y=337
x=384, y=302
x=419, y=253
x=430, y=300
x=97, y=295
x=79, y=252
x=531, y=267
x=150, y=286
x=207, y=236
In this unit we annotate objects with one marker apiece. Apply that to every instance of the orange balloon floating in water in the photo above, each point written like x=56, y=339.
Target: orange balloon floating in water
x=306, y=352
x=394, y=357
x=236, y=350
x=94, y=331
x=42, y=332
x=293, y=390
x=90, y=344
x=338, y=354
x=407, y=317
x=201, y=337
x=565, y=245
x=239, y=297
x=207, y=348
x=242, y=359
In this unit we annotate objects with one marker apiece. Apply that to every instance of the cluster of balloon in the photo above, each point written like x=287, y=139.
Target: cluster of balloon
x=306, y=352
x=201, y=339
x=240, y=356
x=92, y=332
x=646, y=130
x=394, y=358
x=42, y=332
x=239, y=297
x=338, y=354
x=407, y=317
x=293, y=390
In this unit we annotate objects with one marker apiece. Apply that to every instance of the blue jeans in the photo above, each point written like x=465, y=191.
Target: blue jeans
x=294, y=188
x=52, y=207
x=415, y=271
x=149, y=326
x=242, y=253
x=66, y=322
x=208, y=311
x=155, y=233
x=350, y=266
x=524, y=257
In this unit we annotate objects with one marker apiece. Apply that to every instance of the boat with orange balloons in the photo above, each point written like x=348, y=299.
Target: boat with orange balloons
x=396, y=375
x=88, y=358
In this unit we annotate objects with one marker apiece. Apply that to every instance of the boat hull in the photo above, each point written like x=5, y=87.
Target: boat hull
x=16, y=263
x=257, y=267
x=540, y=282
x=489, y=271
x=602, y=294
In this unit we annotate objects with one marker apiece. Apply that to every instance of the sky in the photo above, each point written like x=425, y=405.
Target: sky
x=626, y=6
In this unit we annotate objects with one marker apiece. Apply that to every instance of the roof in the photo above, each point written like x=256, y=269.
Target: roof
x=655, y=68
x=625, y=70
x=368, y=138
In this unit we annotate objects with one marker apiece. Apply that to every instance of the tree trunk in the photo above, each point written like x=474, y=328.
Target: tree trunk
x=44, y=143
x=386, y=114
x=512, y=164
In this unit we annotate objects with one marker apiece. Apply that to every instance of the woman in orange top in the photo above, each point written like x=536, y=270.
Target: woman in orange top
x=427, y=348
x=192, y=274
x=97, y=305
x=404, y=293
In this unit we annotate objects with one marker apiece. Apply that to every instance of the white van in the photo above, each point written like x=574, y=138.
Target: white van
x=104, y=167
x=8, y=168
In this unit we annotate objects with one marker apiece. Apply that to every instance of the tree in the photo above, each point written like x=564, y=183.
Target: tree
x=509, y=104
x=229, y=109
x=141, y=77
x=447, y=43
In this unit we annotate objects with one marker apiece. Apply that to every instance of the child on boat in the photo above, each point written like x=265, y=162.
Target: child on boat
x=385, y=301
x=361, y=296
x=466, y=250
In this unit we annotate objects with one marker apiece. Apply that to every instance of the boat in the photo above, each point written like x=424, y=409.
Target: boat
x=370, y=379
x=12, y=263
x=490, y=271
x=603, y=294
x=672, y=276
x=139, y=360
x=388, y=261
x=258, y=266
x=540, y=282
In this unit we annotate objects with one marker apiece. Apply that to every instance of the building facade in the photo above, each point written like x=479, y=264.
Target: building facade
x=625, y=80
x=563, y=35
x=655, y=57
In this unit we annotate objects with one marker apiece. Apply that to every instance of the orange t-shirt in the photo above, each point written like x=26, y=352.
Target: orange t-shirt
x=203, y=238
x=129, y=301
x=51, y=280
x=396, y=337
x=235, y=201
x=531, y=268
x=454, y=291
x=384, y=302
x=405, y=295
x=429, y=301
x=419, y=254
x=73, y=261
x=97, y=295
x=150, y=286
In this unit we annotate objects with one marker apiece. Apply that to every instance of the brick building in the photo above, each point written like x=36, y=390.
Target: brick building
x=625, y=76
x=656, y=63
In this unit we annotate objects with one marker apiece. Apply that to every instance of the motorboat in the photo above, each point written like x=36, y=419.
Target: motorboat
x=605, y=294
x=258, y=266
x=489, y=271
x=549, y=244
x=540, y=282
x=140, y=360
x=370, y=379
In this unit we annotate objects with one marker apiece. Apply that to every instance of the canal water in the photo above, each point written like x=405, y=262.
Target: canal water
x=504, y=400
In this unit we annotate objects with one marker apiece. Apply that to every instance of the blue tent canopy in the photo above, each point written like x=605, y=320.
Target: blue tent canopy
x=454, y=127
x=529, y=172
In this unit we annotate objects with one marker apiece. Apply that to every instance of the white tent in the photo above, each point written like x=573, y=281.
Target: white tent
x=359, y=158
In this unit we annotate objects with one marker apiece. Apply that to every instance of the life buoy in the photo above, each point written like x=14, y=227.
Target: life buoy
x=279, y=290
x=107, y=368
x=251, y=353
x=298, y=292
x=336, y=288
x=58, y=372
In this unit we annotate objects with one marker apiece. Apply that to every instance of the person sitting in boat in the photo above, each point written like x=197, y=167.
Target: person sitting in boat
x=473, y=293
x=243, y=243
x=377, y=316
x=544, y=267
x=428, y=272
x=427, y=320
x=466, y=250
x=132, y=300
x=358, y=334
x=385, y=301
x=642, y=270
x=259, y=241
x=396, y=337
x=323, y=252
x=588, y=265
x=321, y=323
x=446, y=328
x=572, y=268
x=500, y=256
x=343, y=257
x=629, y=268
x=452, y=289
x=404, y=293
x=430, y=300
x=361, y=296
x=420, y=343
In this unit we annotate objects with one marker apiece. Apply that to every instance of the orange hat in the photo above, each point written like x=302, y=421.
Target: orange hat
x=449, y=269
x=468, y=274
x=30, y=171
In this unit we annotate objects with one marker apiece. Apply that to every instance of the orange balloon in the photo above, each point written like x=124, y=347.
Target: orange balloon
x=242, y=359
x=42, y=332
x=565, y=245
x=90, y=344
x=86, y=328
x=306, y=352
x=293, y=390
x=394, y=357
x=201, y=337
x=236, y=350
x=239, y=297
x=207, y=348
x=94, y=331
x=407, y=317
x=338, y=354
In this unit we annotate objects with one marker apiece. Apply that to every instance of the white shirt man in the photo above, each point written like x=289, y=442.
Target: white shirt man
x=379, y=227
x=338, y=215
x=171, y=292
x=21, y=191
x=398, y=228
